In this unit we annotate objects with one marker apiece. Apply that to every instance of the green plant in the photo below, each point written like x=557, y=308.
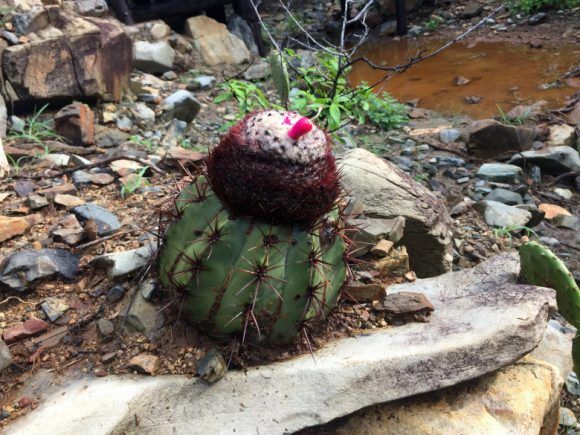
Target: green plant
x=37, y=129
x=142, y=142
x=321, y=92
x=506, y=119
x=260, y=253
x=432, y=25
x=134, y=182
x=529, y=6
x=510, y=229
x=15, y=164
x=540, y=266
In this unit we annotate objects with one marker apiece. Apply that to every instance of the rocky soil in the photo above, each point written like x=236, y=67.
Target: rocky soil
x=81, y=205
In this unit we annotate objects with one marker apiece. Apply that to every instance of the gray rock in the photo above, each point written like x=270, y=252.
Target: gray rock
x=449, y=135
x=107, y=222
x=570, y=222
x=450, y=161
x=556, y=349
x=148, y=288
x=54, y=308
x=82, y=177
x=387, y=193
x=124, y=123
x=554, y=160
x=371, y=230
x=153, y=57
x=110, y=137
x=563, y=193
x=212, y=366
x=91, y=8
x=21, y=269
x=405, y=163
x=538, y=18
x=144, y=317
x=181, y=105
x=3, y=118
x=567, y=418
x=144, y=116
x=500, y=172
x=490, y=138
x=500, y=215
x=115, y=293
x=203, y=82
x=505, y=197
x=472, y=10
x=482, y=322
x=258, y=71
x=35, y=201
x=388, y=28
x=121, y=264
x=5, y=356
x=240, y=28
x=17, y=125
x=106, y=327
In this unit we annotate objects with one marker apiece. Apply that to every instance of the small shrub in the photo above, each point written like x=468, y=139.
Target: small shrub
x=530, y=6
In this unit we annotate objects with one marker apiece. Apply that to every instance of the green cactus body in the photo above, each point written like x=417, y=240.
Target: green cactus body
x=540, y=266
x=245, y=275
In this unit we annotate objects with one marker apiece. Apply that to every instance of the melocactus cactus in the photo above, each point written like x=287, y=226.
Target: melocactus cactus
x=259, y=247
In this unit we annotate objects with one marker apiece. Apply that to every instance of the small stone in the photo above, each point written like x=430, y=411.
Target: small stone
x=145, y=363
x=257, y=71
x=68, y=200
x=461, y=81
x=76, y=122
x=170, y=75
x=5, y=356
x=203, y=82
x=35, y=201
x=382, y=248
x=110, y=137
x=212, y=366
x=572, y=384
x=59, y=160
x=153, y=57
x=462, y=180
x=449, y=135
x=564, y=193
x=106, y=327
x=567, y=417
x=538, y=18
x=144, y=317
x=24, y=330
x=411, y=276
x=124, y=123
x=144, y=116
x=561, y=135
x=472, y=99
x=181, y=105
x=450, y=161
x=21, y=269
x=148, y=288
x=360, y=293
x=500, y=215
x=570, y=222
x=16, y=226
x=115, y=294
x=108, y=357
x=553, y=210
x=121, y=264
x=54, y=308
x=107, y=222
x=505, y=197
x=500, y=172
x=471, y=10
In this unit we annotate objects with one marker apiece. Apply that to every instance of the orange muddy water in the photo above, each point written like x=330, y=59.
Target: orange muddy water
x=501, y=74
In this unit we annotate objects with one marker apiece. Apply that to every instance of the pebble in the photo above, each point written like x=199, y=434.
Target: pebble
x=107, y=222
x=35, y=201
x=68, y=200
x=572, y=384
x=564, y=193
x=462, y=180
x=212, y=366
x=500, y=215
x=505, y=196
x=538, y=18
x=24, y=330
x=54, y=308
x=553, y=210
x=567, y=417
x=5, y=356
x=144, y=363
x=449, y=161
x=449, y=135
x=115, y=294
x=106, y=327
x=500, y=172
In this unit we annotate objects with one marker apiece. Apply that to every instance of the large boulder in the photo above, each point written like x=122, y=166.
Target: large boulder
x=519, y=399
x=489, y=138
x=481, y=323
x=215, y=43
x=387, y=192
x=71, y=57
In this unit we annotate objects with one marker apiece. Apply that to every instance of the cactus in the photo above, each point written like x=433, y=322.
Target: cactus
x=540, y=266
x=258, y=247
x=280, y=77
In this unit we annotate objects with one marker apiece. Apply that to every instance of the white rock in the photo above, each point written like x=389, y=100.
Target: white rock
x=153, y=57
x=481, y=323
x=561, y=135
x=501, y=215
x=119, y=264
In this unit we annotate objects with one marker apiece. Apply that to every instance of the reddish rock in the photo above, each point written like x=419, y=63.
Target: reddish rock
x=490, y=138
x=24, y=330
x=144, y=363
x=553, y=210
x=76, y=122
x=15, y=226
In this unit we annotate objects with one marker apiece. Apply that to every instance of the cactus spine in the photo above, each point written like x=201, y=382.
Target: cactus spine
x=258, y=249
x=540, y=266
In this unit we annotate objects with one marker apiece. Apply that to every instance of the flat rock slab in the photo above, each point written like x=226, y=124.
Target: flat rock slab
x=482, y=322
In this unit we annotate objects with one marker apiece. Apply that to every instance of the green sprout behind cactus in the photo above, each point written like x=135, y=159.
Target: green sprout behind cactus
x=540, y=266
x=245, y=275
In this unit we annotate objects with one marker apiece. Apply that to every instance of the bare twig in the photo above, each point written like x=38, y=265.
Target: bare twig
x=12, y=298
